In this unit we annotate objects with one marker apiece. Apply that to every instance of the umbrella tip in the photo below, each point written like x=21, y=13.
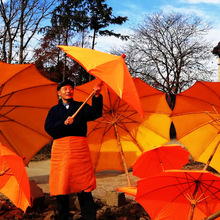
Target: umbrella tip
x=123, y=55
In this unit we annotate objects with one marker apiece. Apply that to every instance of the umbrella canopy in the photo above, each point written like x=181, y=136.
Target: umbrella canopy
x=110, y=69
x=196, y=119
x=25, y=99
x=119, y=137
x=159, y=159
x=179, y=195
x=14, y=182
x=131, y=191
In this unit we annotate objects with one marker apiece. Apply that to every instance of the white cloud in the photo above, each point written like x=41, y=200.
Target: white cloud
x=202, y=1
x=183, y=10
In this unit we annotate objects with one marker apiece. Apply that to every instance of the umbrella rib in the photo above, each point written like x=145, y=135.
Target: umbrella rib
x=207, y=187
x=28, y=88
x=98, y=156
x=18, y=106
x=17, y=74
x=15, y=150
x=5, y=101
x=214, y=119
x=25, y=106
x=3, y=172
x=167, y=186
x=200, y=126
x=134, y=140
x=210, y=89
x=97, y=127
x=9, y=119
x=198, y=99
x=177, y=196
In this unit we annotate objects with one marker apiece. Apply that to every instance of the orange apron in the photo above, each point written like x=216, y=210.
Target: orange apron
x=71, y=168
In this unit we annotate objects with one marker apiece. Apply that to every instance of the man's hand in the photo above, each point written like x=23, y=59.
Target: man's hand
x=97, y=89
x=69, y=120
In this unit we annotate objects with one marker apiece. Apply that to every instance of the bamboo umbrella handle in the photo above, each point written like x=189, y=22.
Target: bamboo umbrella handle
x=210, y=158
x=122, y=155
x=92, y=94
x=213, y=216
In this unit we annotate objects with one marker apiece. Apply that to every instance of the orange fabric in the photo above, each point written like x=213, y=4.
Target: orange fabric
x=159, y=159
x=170, y=195
x=131, y=191
x=136, y=134
x=14, y=182
x=71, y=167
x=25, y=99
x=110, y=69
x=196, y=117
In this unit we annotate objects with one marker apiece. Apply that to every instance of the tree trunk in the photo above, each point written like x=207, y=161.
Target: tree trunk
x=4, y=47
x=93, y=39
x=21, y=50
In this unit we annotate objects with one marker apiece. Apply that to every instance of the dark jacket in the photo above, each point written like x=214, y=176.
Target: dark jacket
x=54, y=124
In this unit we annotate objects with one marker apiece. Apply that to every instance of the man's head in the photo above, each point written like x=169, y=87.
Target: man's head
x=65, y=90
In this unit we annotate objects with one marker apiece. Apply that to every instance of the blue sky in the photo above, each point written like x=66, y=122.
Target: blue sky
x=136, y=10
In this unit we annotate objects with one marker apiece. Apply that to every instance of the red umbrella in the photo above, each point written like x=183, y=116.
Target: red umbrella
x=180, y=194
x=159, y=159
x=14, y=182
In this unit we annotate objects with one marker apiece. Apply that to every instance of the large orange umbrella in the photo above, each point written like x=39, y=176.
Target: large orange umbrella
x=25, y=98
x=119, y=137
x=179, y=195
x=196, y=119
x=14, y=182
x=159, y=159
x=110, y=69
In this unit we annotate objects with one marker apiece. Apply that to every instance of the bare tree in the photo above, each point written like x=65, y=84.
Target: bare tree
x=169, y=52
x=9, y=12
x=21, y=22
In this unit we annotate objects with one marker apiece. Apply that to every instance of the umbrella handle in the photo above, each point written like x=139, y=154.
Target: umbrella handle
x=210, y=158
x=92, y=94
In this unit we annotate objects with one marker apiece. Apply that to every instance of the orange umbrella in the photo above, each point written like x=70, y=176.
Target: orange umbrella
x=110, y=69
x=196, y=119
x=159, y=159
x=131, y=191
x=179, y=195
x=14, y=182
x=25, y=98
x=119, y=137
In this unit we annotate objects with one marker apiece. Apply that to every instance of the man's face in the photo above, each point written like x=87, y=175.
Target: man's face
x=66, y=93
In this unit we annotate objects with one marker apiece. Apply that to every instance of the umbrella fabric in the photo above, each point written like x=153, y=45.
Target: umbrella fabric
x=110, y=69
x=25, y=99
x=121, y=127
x=14, y=182
x=196, y=119
x=179, y=195
x=159, y=159
x=131, y=191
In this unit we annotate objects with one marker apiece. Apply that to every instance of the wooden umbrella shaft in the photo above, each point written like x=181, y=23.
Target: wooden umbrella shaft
x=210, y=158
x=193, y=201
x=91, y=95
x=122, y=155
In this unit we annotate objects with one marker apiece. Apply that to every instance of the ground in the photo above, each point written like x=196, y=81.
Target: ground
x=46, y=209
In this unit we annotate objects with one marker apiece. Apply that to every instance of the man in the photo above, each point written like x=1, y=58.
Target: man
x=71, y=166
